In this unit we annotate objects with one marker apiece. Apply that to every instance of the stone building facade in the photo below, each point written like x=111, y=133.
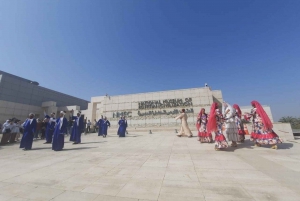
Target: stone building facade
x=154, y=109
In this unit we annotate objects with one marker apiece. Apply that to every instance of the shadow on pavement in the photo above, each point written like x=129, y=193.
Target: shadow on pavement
x=40, y=148
x=78, y=148
x=285, y=145
x=93, y=142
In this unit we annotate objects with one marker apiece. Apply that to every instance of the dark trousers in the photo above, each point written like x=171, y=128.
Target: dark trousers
x=5, y=138
x=88, y=129
x=43, y=134
x=49, y=136
x=37, y=132
x=12, y=138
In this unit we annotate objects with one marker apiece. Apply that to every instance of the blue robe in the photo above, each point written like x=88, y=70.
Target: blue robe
x=122, y=128
x=29, y=130
x=49, y=131
x=59, y=134
x=77, y=129
x=104, y=126
x=99, y=123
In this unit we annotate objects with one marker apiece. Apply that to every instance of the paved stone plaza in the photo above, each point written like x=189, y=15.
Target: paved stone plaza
x=142, y=166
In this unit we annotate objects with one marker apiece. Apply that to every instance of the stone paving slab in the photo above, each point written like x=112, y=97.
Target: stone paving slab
x=143, y=167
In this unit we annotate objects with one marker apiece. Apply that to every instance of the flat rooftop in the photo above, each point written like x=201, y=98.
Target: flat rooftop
x=144, y=167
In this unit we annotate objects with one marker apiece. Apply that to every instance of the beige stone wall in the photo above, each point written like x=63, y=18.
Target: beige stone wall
x=17, y=110
x=109, y=106
x=20, y=111
x=283, y=130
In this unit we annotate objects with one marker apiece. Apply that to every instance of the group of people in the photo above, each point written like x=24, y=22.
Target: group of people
x=229, y=121
x=55, y=129
x=102, y=126
x=11, y=131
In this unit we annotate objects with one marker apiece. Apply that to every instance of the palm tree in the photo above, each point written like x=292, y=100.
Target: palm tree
x=295, y=122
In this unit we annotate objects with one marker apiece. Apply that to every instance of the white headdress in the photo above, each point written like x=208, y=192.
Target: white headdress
x=227, y=107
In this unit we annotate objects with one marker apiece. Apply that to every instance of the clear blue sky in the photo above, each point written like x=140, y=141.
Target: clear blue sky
x=249, y=49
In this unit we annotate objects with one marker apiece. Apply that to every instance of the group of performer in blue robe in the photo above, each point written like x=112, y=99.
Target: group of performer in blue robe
x=57, y=135
x=56, y=130
x=77, y=128
x=122, y=127
x=29, y=130
x=103, y=125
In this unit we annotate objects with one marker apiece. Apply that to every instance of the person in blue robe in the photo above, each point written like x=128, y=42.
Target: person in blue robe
x=50, y=127
x=122, y=127
x=99, y=124
x=59, y=132
x=104, y=126
x=77, y=128
x=28, y=134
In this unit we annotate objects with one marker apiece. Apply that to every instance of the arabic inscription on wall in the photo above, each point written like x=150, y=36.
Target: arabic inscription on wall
x=167, y=103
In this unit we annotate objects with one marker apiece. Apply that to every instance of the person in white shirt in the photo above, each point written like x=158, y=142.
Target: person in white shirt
x=18, y=127
x=6, y=131
x=231, y=128
x=88, y=126
x=14, y=131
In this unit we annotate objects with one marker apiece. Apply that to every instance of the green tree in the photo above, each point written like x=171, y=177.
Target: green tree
x=294, y=121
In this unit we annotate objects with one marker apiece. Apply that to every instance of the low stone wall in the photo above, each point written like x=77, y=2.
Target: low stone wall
x=284, y=130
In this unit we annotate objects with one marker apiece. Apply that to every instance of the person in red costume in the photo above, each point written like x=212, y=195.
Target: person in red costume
x=239, y=123
x=215, y=122
x=201, y=124
x=262, y=130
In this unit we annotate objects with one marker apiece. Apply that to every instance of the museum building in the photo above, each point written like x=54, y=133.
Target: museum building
x=144, y=111
x=156, y=109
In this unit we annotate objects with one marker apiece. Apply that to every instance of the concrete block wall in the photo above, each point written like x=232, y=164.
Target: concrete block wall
x=48, y=104
x=108, y=105
x=17, y=110
x=284, y=130
x=201, y=98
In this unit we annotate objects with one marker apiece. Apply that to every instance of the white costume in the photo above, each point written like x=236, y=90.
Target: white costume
x=231, y=128
x=184, y=130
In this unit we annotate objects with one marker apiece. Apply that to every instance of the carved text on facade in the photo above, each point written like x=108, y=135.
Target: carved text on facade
x=168, y=103
x=164, y=112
